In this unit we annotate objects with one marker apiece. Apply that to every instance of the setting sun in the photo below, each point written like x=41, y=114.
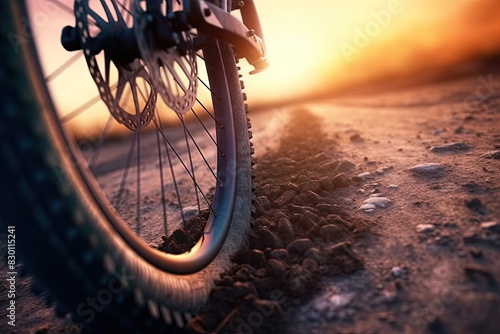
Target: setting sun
x=316, y=49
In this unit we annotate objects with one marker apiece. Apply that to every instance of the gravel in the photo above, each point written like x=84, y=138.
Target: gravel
x=427, y=169
x=300, y=232
x=425, y=228
x=450, y=148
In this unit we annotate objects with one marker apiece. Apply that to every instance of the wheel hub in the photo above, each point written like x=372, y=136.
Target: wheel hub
x=173, y=69
x=111, y=35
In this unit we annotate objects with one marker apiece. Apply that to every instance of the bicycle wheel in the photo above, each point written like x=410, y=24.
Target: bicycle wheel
x=81, y=247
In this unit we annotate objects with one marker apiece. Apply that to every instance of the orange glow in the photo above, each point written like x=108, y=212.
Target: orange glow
x=323, y=45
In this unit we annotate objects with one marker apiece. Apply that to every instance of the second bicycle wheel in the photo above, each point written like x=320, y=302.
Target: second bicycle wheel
x=99, y=234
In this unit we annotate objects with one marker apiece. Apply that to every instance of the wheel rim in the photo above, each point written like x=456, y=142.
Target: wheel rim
x=223, y=170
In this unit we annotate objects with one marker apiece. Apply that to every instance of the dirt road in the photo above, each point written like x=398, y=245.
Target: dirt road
x=419, y=201
x=425, y=175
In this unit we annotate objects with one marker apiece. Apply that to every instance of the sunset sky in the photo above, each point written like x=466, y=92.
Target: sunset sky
x=320, y=45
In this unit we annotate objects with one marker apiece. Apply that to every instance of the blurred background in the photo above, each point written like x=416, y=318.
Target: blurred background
x=322, y=47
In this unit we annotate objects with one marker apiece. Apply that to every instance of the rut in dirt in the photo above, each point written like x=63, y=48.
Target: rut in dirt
x=300, y=233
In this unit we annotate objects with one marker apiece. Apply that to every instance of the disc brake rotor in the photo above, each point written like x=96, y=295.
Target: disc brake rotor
x=173, y=70
x=99, y=34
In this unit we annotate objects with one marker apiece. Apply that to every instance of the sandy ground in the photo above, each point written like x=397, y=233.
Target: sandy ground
x=430, y=257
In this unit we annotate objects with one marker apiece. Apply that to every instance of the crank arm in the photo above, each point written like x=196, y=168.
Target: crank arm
x=214, y=21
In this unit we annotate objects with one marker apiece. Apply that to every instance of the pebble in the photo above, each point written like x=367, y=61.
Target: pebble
x=329, y=232
x=292, y=186
x=242, y=289
x=299, y=246
x=243, y=275
x=393, y=186
x=298, y=281
x=330, y=303
x=476, y=206
x=272, y=305
x=285, y=229
x=427, y=169
x=303, y=178
x=310, y=186
x=491, y=155
x=355, y=137
x=329, y=208
x=180, y=236
x=341, y=181
x=279, y=254
x=190, y=212
x=438, y=131
x=326, y=183
x=450, y=148
x=345, y=166
x=315, y=254
x=267, y=238
x=382, y=202
x=491, y=226
x=396, y=272
x=336, y=220
x=264, y=201
x=257, y=258
x=275, y=268
x=308, y=215
x=310, y=265
x=313, y=197
x=365, y=176
x=425, y=228
x=307, y=225
x=284, y=199
x=368, y=207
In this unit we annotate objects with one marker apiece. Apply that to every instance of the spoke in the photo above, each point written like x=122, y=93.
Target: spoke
x=208, y=132
x=99, y=21
x=119, y=92
x=118, y=13
x=190, y=161
x=201, y=153
x=138, y=205
x=142, y=93
x=204, y=84
x=133, y=87
x=63, y=6
x=125, y=172
x=107, y=11
x=81, y=109
x=63, y=67
x=177, y=79
x=183, y=67
x=84, y=107
x=97, y=151
x=160, y=158
x=125, y=8
x=166, y=141
x=199, y=56
x=107, y=64
x=208, y=112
